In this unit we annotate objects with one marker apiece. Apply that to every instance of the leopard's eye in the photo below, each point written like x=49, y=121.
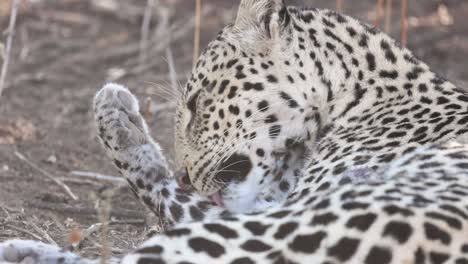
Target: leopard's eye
x=183, y=180
x=192, y=106
x=192, y=103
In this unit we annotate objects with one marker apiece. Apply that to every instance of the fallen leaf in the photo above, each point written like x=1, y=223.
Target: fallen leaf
x=14, y=131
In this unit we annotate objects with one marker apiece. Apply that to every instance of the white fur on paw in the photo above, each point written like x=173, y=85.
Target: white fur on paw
x=117, y=113
x=29, y=252
x=113, y=91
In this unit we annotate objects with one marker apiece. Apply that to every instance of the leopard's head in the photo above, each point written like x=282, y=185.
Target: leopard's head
x=241, y=126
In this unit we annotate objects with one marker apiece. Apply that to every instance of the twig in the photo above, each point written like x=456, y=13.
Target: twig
x=95, y=227
x=48, y=175
x=80, y=181
x=388, y=16
x=196, y=38
x=339, y=6
x=127, y=221
x=172, y=69
x=148, y=109
x=97, y=176
x=404, y=28
x=14, y=210
x=86, y=234
x=104, y=215
x=73, y=209
x=44, y=233
x=145, y=31
x=90, y=230
x=6, y=212
x=25, y=231
x=11, y=33
x=378, y=13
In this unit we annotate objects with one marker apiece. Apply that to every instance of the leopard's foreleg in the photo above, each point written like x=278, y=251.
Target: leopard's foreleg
x=125, y=136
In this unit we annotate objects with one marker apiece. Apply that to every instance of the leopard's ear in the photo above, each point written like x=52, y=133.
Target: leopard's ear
x=257, y=14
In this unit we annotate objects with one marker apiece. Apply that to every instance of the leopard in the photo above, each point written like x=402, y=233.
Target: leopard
x=302, y=136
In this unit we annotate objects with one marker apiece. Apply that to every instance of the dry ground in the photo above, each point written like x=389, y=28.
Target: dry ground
x=65, y=50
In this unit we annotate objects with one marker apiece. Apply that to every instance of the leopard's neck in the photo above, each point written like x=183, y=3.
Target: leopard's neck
x=352, y=70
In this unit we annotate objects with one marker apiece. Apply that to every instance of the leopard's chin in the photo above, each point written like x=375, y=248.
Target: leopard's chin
x=252, y=197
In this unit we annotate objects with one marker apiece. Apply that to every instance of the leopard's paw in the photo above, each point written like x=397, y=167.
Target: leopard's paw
x=118, y=120
x=27, y=251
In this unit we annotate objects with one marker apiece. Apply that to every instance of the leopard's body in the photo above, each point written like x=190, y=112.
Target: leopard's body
x=307, y=137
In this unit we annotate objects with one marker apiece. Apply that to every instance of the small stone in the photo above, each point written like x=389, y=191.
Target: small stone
x=52, y=159
x=70, y=222
x=113, y=74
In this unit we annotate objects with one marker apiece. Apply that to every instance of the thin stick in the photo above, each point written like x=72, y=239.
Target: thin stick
x=96, y=227
x=172, y=70
x=339, y=6
x=90, y=230
x=25, y=231
x=104, y=213
x=44, y=233
x=79, y=181
x=97, y=176
x=404, y=28
x=11, y=33
x=196, y=39
x=48, y=175
x=148, y=110
x=127, y=221
x=378, y=13
x=388, y=16
x=145, y=31
x=6, y=212
x=81, y=236
x=73, y=209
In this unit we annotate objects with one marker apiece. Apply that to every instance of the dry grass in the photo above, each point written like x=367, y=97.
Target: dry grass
x=378, y=12
x=7, y=50
x=403, y=24
x=196, y=38
x=388, y=15
x=339, y=6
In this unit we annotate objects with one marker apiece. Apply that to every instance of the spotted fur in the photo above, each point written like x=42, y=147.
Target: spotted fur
x=302, y=136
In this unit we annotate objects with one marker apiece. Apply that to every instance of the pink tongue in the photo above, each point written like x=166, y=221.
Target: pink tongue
x=182, y=184
x=216, y=198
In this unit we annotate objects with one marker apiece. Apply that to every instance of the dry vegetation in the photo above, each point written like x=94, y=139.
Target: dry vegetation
x=54, y=183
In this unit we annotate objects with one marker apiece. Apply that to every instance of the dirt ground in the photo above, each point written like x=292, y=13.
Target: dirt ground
x=65, y=50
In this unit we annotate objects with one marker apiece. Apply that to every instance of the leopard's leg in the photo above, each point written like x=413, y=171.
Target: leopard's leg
x=124, y=134
x=26, y=251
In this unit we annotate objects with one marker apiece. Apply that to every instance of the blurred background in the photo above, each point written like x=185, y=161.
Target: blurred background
x=63, y=51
